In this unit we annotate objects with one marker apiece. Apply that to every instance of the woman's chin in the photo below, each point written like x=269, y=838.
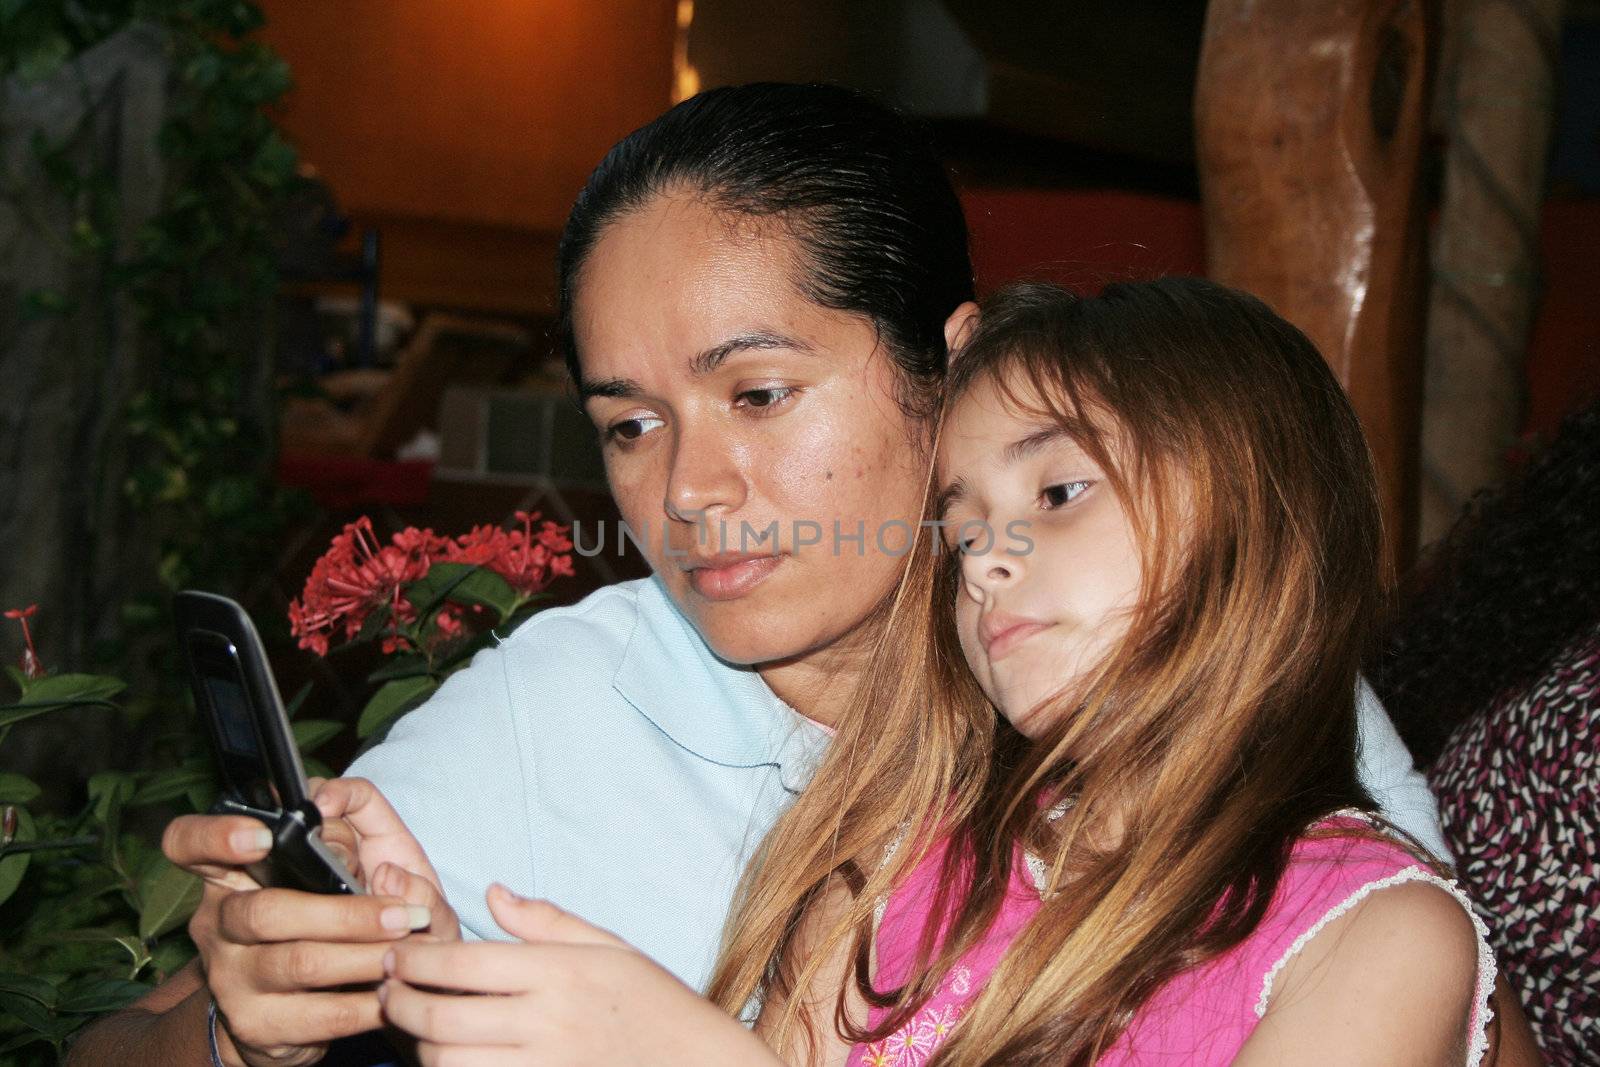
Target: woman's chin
x=747, y=642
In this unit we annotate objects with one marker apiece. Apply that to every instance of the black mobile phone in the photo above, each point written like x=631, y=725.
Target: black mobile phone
x=261, y=771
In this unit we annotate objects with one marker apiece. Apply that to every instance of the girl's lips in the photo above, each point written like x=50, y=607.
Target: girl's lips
x=733, y=580
x=1007, y=640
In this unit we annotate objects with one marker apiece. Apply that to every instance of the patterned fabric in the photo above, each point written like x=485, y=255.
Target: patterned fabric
x=1518, y=789
x=1201, y=1017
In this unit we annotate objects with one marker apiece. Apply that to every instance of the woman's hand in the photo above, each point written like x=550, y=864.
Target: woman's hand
x=358, y=817
x=291, y=971
x=569, y=994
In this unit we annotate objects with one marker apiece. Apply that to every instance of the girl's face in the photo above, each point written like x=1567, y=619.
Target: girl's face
x=1051, y=572
x=751, y=437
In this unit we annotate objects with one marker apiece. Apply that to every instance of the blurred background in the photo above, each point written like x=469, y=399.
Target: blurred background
x=267, y=267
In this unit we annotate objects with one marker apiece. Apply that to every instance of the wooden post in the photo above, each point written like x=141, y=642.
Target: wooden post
x=1309, y=122
x=1497, y=104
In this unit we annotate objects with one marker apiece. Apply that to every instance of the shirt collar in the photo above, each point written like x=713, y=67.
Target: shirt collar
x=720, y=711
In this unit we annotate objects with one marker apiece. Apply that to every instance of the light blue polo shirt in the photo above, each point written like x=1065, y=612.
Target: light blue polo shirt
x=602, y=757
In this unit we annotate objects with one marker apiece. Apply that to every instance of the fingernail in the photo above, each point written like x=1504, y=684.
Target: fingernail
x=419, y=916
x=395, y=918
x=250, y=840
x=388, y=963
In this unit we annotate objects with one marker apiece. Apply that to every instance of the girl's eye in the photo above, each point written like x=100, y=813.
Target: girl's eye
x=1055, y=496
x=632, y=429
x=764, y=399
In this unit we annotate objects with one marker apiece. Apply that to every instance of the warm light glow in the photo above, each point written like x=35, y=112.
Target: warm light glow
x=685, y=79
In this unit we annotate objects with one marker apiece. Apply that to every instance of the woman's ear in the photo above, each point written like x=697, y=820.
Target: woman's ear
x=959, y=326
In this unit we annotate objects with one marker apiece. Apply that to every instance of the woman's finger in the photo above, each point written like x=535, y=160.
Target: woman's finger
x=302, y=1019
x=294, y=966
x=290, y=915
x=453, y=1020
x=540, y=920
x=217, y=847
x=383, y=835
x=417, y=890
x=467, y=967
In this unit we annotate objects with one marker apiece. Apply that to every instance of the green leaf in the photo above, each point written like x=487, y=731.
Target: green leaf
x=75, y=687
x=26, y=985
x=169, y=784
x=108, y=792
x=59, y=691
x=29, y=1014
x=12, y=868
x=295, y=702
x=312, y=734
x=405, y=665
x=373, y=625
x=438, y=585
x=168, y=895
x=23, y=1040
x=391, y=701
x=101, y=995
x=15, y=789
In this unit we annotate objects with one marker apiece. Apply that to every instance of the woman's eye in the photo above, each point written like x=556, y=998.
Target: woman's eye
x=762, y=399
x=1054, y=496
x=632, y=429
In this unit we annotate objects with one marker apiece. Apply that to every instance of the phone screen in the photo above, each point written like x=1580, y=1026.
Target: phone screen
x=233, y=717
x=244, y=765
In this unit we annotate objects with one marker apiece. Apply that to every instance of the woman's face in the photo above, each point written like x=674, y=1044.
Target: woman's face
x=749, y=434
x=1052, y=568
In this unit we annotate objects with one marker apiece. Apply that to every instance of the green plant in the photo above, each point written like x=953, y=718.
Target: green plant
x=91, y=912
x=200, y=275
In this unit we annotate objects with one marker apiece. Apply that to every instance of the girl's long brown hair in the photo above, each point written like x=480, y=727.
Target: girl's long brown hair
x=1219, y=728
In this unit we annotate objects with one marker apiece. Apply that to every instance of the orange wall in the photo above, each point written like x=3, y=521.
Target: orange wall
x=477, y=111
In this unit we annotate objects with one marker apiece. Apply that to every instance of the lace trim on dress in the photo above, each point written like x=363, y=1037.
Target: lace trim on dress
x=1481, y=1012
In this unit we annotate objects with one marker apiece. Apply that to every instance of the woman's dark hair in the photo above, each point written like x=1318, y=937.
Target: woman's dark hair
x=1515, y=581
x=858, y=185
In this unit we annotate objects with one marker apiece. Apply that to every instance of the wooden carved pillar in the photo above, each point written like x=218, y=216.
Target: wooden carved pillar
x=1497, y=104
x=1309, y=122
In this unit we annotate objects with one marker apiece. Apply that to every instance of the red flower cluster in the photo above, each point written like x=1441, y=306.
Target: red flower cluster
x=525, y=559
x=357, y=576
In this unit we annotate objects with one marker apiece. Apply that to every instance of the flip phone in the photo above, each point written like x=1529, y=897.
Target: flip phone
x=261, y=771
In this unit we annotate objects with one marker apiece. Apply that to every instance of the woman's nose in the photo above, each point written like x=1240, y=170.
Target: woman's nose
x=704, y=476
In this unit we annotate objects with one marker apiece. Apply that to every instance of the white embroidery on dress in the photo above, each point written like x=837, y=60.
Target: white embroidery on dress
x=1482, y=1013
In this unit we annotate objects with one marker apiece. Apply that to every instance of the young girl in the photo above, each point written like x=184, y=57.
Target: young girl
x=1160, y=556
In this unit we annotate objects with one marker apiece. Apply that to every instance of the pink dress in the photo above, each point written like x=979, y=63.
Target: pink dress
x=1203, y=1016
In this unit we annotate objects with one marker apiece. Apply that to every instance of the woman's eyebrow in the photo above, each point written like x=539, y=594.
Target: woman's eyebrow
x=611, y=387
x=713, y=357
x=700, y=365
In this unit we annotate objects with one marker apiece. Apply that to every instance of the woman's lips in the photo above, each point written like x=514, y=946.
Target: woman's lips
x=734, y=579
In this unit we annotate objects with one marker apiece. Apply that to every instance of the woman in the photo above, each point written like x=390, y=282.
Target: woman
x=757, y=294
